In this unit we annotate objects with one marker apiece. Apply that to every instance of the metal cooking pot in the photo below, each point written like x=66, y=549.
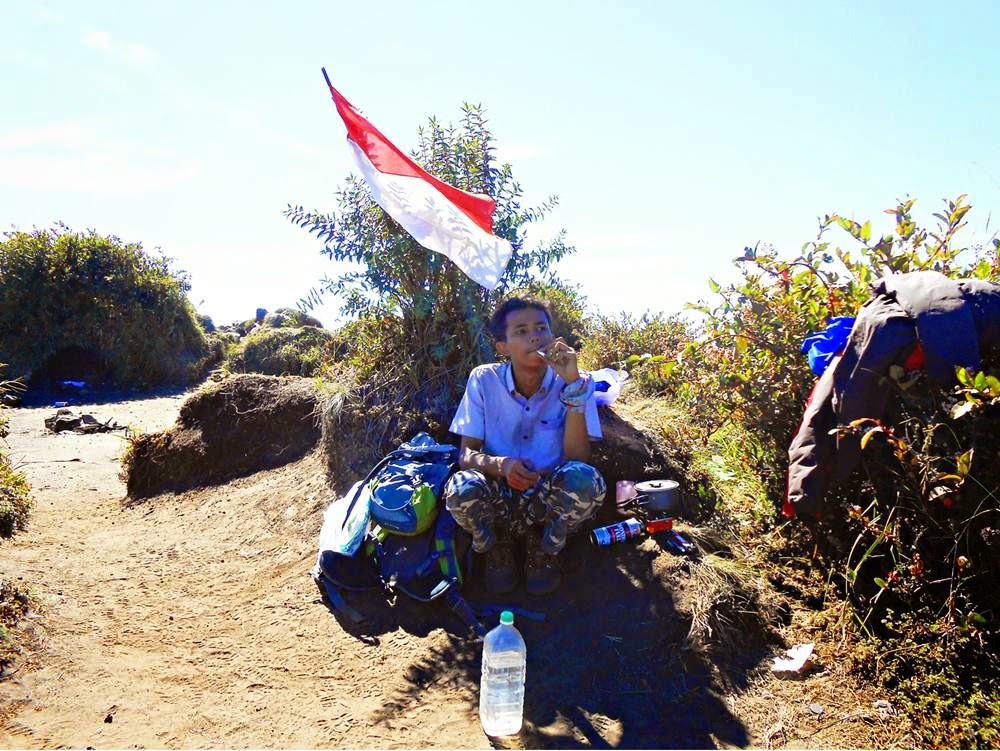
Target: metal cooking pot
x=660, y=495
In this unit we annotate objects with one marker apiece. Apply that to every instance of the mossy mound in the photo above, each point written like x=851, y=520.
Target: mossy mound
x=359, y=428
x=72, y=302
x=289, y=318
x=236, y=427
x=282, y=351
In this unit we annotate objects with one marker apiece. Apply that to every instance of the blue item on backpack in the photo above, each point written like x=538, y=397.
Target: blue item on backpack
x=406, y=484
x=823, y=346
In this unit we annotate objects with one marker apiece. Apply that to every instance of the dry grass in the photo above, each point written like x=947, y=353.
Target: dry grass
x=361, y=423
x=14, y=603
x=732, y=607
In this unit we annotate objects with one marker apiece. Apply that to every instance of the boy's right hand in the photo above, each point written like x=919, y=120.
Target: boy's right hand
x=518, y=474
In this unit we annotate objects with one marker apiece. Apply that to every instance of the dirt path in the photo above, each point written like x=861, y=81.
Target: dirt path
x=190, y=621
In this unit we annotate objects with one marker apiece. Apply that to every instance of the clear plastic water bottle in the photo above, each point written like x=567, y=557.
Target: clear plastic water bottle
x=501, y=689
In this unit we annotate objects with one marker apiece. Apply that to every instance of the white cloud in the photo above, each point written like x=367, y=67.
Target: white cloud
x=107, y=174
x=71, y=156
x=138, y=54
x=45, y=15
x=52, y=134
x=518, y=152
x=130, y=53
x=93, y=173
x=100, y=40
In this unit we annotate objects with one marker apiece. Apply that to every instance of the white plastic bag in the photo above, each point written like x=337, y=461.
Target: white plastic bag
x=613, y=379
x=338, y=536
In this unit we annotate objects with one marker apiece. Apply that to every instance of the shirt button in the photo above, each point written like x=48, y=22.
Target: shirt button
x=527, y=409
x=524, y=437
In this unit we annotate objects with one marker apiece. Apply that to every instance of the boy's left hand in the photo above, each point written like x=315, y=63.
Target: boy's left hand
x=562, y=358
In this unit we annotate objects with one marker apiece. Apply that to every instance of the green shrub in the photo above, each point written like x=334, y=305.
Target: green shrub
x=745, y=364
x=950, y=691
x=643, y=346
x=282, y=351
x=206, y=323
x=15, y=500
x=362, y=345
x=61, y=289
x=915, y=532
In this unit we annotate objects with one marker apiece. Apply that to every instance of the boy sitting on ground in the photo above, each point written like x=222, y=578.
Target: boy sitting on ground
x=526, y=427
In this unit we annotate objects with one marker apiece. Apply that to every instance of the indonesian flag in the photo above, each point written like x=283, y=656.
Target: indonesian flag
x=440, y=217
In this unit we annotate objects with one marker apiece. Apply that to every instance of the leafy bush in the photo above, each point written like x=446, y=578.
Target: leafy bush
x=62, y=290
x=644, y=346
x=421, y=323
x=913, y=540
x=950, y=690
x=282, y=351
x=746, y=365
x=15, y=499
x=206, y=323
x=922, y=535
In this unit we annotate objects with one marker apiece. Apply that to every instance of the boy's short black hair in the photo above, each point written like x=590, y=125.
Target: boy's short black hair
x=498, y=322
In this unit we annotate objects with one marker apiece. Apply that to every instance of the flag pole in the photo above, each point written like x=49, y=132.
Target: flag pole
x=327, y=78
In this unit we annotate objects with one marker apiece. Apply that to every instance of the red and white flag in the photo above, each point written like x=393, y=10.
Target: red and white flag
x=442, y=218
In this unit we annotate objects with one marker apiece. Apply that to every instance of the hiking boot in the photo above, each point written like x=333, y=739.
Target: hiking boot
x=541, y=570
x=500, y=576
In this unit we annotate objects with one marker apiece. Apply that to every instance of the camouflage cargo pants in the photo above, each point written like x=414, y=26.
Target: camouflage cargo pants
x=568, y=497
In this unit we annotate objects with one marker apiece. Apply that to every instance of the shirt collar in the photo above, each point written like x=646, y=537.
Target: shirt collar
x=547, y=380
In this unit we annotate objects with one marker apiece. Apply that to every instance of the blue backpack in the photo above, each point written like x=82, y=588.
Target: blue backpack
x=391, y=532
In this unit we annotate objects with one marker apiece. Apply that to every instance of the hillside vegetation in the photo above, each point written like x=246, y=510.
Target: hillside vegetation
x=84, y=306
x=907, y=551
x=15, y=498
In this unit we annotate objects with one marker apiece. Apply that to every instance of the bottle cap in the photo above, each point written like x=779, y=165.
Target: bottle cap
x=507, y=618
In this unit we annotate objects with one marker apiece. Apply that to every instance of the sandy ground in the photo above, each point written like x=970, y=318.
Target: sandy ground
x=191, y=621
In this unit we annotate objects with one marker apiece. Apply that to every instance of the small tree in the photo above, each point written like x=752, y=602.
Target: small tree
x=426, y=319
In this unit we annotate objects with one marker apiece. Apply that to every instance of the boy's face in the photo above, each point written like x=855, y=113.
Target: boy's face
x=527, y=331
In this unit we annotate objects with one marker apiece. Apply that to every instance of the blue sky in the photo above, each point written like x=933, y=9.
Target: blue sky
x=674, y=133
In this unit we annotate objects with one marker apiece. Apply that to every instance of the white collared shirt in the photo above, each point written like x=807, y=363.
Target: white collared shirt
x=510, y=424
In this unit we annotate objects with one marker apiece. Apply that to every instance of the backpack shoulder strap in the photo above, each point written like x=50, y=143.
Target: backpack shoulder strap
x=332, y=594
x=368, y=478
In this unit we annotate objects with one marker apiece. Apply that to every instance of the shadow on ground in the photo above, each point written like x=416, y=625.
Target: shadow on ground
x=607, y=668
x=49, y=394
